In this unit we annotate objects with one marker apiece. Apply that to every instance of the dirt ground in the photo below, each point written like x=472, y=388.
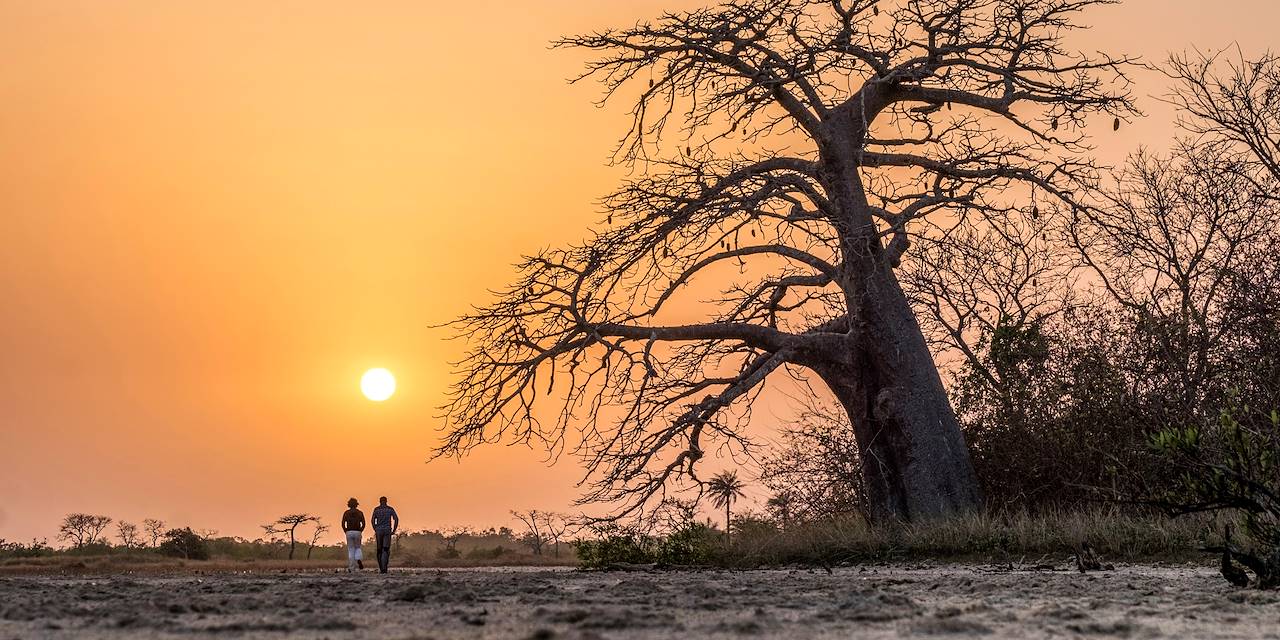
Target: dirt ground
x=871, y=602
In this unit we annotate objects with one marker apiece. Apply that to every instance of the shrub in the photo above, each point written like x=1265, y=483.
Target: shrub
x=614, y=545
x=692, y=543
x=92, y=549
x=1233, y=468
x=184, y=543
x=36, y=549
x=484, y=553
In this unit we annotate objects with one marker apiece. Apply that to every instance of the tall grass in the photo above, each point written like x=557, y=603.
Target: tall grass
x=1051, y=537
x=986, y=536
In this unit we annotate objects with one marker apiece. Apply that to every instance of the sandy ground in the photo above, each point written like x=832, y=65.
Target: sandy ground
x=873, y=602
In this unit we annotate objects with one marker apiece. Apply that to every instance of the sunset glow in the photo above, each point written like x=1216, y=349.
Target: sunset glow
x=215, y=216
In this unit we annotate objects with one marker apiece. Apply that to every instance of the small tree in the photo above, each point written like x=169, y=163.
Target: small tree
x=555, y=525
x=401, y=534
x=535, y=537
x=154, y=530
x=128, y=534
x=818, y=464
x=725, y=487
x=316, y=534
x=288, y=524
x=451, y=537
x=542, y=528
x=82, y=529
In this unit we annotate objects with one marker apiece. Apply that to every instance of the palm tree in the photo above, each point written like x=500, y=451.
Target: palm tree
x=724, y=488
x=781, y=503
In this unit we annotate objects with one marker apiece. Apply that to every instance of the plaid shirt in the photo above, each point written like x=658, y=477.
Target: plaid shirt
x=382, y=518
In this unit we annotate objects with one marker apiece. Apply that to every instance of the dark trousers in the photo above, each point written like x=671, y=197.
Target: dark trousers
x=384, y=549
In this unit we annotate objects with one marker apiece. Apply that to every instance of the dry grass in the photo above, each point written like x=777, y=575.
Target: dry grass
x=150, y=563
x=1115, y=534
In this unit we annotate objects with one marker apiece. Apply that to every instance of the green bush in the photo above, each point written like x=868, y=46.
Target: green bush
x=692, y=543
x=614, y=545
x=1232, y=468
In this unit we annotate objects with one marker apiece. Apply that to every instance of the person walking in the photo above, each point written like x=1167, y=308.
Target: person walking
x=385, y=522
x=353, y=526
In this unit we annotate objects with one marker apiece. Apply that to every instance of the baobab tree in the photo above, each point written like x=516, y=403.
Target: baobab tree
x=786, y=152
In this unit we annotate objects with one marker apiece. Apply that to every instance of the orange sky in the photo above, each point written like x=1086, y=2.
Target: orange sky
x=215, y=215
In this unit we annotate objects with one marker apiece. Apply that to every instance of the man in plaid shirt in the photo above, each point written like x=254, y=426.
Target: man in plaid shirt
x=385, y=522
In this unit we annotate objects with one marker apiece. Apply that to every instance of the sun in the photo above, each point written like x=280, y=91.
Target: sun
x=377, y=384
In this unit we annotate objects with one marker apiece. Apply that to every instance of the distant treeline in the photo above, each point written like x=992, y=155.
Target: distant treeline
x=542, y=542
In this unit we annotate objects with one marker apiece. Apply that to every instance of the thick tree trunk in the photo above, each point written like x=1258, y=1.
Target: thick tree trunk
x=915, y=465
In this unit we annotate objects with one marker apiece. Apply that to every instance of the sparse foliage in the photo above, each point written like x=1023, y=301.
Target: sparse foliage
x=1232, y=104
x=451, y=537
x=83, y=529
x=130, y=538
x=154, y=530
x=288, y=524
x=1175, y=232
x=816, y=464
x=542, y=528
x=1079, y=331
x=534, y=537
x=316, y=533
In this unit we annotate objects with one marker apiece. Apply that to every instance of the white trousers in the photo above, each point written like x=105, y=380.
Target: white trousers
x=354, y=553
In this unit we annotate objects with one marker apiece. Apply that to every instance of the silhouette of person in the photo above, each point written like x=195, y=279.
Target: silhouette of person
x=385, y=522
x=353, y=525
